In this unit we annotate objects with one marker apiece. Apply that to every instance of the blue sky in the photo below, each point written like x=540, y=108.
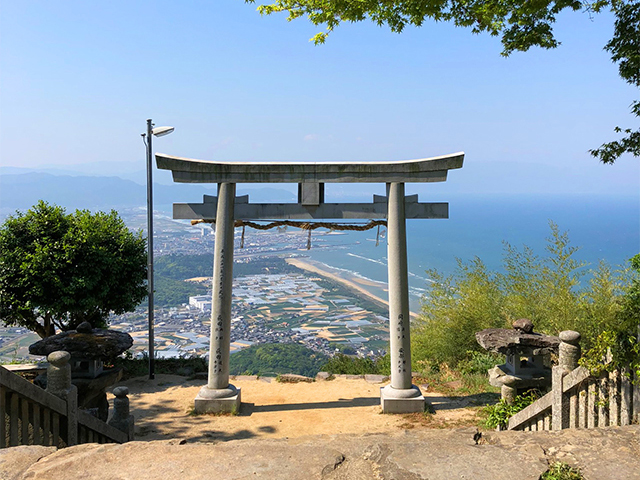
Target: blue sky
x=78, y=80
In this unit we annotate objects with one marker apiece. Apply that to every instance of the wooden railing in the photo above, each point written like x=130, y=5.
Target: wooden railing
x=579, y=400
x=33, y=416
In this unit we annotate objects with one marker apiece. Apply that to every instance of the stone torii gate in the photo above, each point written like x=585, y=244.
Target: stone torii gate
x=400, y=396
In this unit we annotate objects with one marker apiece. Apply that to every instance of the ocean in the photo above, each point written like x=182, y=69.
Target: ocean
x=604, y=227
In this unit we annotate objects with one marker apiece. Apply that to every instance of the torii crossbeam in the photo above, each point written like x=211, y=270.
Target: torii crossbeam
x=398, y=397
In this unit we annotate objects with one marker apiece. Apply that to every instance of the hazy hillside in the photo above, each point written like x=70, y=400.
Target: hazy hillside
x=21, y=191
x=277, y=358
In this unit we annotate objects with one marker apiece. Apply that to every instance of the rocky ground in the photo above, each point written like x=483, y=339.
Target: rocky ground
x=163, y=409
x=430, y=454
x=324, y=430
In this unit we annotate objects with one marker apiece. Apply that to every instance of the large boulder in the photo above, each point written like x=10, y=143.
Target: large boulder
x=503, y=341
x=86, y=342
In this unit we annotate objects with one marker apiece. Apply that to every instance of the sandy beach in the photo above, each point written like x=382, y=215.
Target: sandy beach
x=351, y=282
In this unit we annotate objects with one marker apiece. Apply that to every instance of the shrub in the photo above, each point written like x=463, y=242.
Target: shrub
x=498, y=415
x=137, y=367
x=547, y=290
x=477, y=363
x=561, y=471
x=276, y=358
x=344, y=364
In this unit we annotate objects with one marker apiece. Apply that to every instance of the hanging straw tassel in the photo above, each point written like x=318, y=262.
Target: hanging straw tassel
x=242, y=238
x=378, y=236
x=309, y=240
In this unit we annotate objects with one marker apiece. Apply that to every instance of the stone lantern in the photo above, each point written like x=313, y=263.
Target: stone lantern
x=526, y=358
x=89, y=349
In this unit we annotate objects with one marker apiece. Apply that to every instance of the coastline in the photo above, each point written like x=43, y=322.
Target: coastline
x=332, y=274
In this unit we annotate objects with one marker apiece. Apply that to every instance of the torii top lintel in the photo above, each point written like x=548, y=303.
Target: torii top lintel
x=186, y=170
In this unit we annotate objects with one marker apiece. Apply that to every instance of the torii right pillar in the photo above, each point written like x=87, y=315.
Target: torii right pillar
x=400, y=396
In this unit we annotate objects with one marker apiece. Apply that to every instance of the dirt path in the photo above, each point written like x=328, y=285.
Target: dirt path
x=162, y=410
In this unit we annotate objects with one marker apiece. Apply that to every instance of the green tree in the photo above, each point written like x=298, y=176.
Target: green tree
x=275, y=359
x=625, y=51
x=617, y=342
x=453, y=310
x=521, y=24
x=58, y=270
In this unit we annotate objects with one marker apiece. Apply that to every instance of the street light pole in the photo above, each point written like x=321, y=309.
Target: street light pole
x=158, y=132
x=150, y=248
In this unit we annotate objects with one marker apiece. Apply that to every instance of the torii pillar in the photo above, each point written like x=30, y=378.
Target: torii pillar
x=218, y=395
x=401, y=396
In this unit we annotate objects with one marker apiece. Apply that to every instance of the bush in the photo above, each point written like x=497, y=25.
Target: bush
x=618, y=345
x=137, y=367
x=478, y=363
x=343, y=364
x=276, y=358
x=547, y=290
x=561, y=471
x=499, y=414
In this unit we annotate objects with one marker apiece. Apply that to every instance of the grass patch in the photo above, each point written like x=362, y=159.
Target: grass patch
x=429, y=419
x=561, y=471
x=498, y=415
x=454, y=383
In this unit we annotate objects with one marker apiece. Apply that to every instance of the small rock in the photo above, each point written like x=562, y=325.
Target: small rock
x=323, y=376
x=293, y=378
x=376, y=378
x=84, y=327
x=185, y=371
x=569, y=336
x=523, y=325
x=246, y=377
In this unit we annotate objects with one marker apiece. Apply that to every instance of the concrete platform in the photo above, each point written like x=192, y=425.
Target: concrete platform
x=218, y=405
x=401, y=405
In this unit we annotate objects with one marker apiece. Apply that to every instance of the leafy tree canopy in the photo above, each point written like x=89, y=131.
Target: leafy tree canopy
x=276, y=358
x=521, y=24
x=58, y=270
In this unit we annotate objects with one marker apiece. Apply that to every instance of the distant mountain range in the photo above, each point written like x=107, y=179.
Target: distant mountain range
x=106, y=185
x=21, y=191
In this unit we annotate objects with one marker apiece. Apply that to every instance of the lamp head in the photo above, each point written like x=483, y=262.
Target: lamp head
x=162, y=131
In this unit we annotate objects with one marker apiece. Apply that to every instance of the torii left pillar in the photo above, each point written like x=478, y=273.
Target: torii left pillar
x=219, y=395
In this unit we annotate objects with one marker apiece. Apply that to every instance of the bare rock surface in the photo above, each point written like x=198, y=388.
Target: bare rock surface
x=606, y=453
x=502, y=340
x=16, y=460
x=523, y=325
